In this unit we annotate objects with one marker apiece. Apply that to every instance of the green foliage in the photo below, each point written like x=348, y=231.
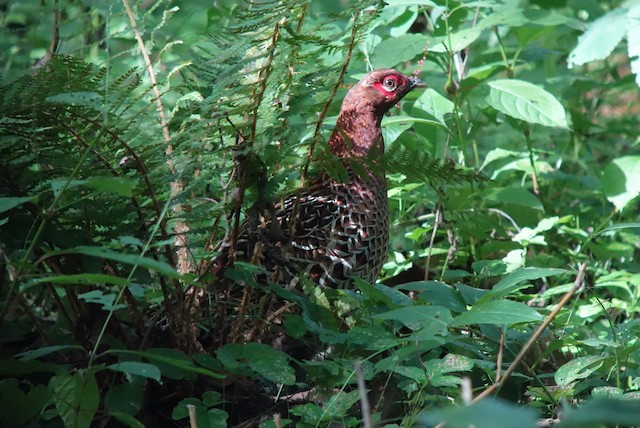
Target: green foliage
x=517, y=166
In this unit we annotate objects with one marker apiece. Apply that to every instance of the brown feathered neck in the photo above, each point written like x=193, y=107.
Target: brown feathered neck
x=357, y=130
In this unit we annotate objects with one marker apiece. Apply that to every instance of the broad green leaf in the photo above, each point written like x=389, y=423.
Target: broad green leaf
x=21, y=402
x=608, y=412
x=127, y=420
x=601, y=37
x=621, y=180
x=268, y=362
x=126, y=397
x=122, y=186
x=393, y=51
x=79, y=278
x=526, y=101
x=130, y=259
x=340, y=403
x=457, y=41
x=76, y=397
x=516, y=196
x=487, y=413
x=431, y=102
x=11, y=202
x=517, y=280
x=578, y=368
x=41, y=352
x=633, y=39
x=498, y=312
x=434, y=318
x=138, y=369
x=618, y=227
x=437, y=293
x=169, y=357
x=439, y=369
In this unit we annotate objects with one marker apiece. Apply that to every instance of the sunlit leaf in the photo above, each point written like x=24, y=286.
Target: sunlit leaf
x=526, y=101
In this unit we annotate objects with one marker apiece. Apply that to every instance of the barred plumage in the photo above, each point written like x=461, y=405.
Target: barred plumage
x=341, y=228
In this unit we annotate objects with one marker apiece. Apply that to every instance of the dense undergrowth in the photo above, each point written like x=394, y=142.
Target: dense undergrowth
x=511, y=294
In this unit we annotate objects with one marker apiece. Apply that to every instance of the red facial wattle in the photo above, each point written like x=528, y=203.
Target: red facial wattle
x=386, y=90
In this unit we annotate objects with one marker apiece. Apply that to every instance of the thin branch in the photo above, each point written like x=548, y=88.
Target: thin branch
x=152, y=76
x=577, y=284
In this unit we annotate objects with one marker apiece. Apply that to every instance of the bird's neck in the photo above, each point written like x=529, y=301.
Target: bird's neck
x=357, y=134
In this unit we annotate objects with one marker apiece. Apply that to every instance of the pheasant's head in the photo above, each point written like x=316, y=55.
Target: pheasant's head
x=358, y=126
x=380, y=90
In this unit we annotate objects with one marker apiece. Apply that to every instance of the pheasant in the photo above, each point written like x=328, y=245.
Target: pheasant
x=340, y=227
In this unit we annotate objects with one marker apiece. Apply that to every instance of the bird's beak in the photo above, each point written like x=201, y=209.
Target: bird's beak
x=417, y=83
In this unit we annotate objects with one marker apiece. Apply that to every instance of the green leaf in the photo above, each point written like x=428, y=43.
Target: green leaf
x=434, y=104
x=122, y=186
x=268, y=362
x=76, y=397
x=601, y=412
x=578, y=368
x=393, y=51
x=130, y=259
x=601, y=37
x=621, y=181
x=526, y=101
x=11, y=202
x=138, y=369
x=21, y=402
x=437, y=293
x=41, y=352
x=79, y=278
x=436, y=319
x=456, y=41
x=633, y=40
x=516, y=196
x=127, y=420
x=438, y=369
x=517, y=280
x=127, y=397
x=169, y=357
x=498, y=312
x=487, y=413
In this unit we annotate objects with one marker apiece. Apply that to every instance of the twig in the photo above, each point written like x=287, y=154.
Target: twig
x=152, y=76
x=532, y=340
x=364, y=400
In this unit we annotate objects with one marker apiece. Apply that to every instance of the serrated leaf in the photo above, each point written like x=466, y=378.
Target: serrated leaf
x=498, y=312
x=600, y=38
x=526, y=101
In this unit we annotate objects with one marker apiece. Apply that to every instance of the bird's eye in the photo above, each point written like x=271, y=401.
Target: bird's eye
x=389, y=84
